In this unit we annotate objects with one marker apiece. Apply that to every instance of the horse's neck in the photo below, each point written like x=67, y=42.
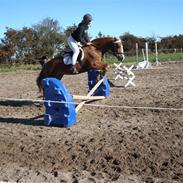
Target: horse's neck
x=102, y=45
x=92, y=49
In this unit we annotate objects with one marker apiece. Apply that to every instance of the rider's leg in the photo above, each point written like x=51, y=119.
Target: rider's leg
x=73, y=45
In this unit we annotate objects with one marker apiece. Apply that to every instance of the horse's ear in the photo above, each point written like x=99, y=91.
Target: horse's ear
x=115, y=38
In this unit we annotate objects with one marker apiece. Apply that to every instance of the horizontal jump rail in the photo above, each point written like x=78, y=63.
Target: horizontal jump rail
x=80, y=97
x=96, y=105
x=31, y=101
x=89, y=94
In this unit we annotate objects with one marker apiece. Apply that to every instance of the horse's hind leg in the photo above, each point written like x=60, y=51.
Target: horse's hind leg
x=60, y=77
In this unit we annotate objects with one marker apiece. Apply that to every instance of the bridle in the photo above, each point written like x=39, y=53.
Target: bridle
x=119, y=41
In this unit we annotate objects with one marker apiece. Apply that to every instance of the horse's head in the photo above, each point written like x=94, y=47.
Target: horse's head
x=117, y=49
x=110, y=43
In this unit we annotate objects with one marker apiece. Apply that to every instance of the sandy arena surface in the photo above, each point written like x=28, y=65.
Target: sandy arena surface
x=107, y=144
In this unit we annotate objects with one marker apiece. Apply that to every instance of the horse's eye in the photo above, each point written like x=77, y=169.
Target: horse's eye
x=117, y=46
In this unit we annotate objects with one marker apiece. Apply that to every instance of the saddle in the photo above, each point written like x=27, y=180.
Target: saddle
x=67, y=56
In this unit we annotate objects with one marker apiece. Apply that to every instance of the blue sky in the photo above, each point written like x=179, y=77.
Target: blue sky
x=111, y=17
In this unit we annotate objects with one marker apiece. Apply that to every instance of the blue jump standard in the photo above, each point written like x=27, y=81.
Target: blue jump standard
x=63, y=114
x=103, y=89
x=58, y=114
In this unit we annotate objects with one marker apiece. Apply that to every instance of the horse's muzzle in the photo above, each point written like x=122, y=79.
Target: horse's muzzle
x=120, y=56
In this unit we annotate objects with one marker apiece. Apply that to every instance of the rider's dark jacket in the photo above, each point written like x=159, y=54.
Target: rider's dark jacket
x=81, y=34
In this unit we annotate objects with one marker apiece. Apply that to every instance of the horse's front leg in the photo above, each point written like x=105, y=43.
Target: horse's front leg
x=99, y=66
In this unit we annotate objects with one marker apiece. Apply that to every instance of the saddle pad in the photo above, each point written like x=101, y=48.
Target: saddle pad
x=67, y=58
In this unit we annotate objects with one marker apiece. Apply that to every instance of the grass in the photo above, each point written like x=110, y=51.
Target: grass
x=170, y=56
x=22, y=67
x=108, y=59
x=161, y=57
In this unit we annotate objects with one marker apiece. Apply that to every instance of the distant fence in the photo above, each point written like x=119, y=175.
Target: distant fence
x=137, y=55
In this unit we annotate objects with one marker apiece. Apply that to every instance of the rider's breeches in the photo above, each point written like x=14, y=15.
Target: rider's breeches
x=73, y=45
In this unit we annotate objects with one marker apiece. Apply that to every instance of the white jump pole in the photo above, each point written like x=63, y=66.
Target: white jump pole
x=80, y=105
x=156, y=53
x=76, y=97
x=143, y=54
x=80, y=97
x=137, y=52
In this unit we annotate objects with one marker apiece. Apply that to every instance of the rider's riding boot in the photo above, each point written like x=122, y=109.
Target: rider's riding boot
x=73, y=69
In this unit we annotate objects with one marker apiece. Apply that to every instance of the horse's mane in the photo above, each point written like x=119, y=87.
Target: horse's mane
x=102, y=38
x=98, y=42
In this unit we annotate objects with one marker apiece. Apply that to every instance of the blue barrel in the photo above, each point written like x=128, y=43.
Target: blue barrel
x=61, y=114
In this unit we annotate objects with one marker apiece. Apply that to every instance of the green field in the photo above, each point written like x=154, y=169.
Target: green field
x=161, y=57
x=10, y=68
x=108, y=59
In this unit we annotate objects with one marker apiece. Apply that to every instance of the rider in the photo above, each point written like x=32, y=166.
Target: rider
x=79, y=38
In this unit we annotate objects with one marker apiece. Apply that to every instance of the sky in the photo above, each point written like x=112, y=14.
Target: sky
x=142, y=18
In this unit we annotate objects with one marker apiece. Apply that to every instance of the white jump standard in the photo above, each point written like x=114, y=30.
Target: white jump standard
x=122, y=72
x=145, y=64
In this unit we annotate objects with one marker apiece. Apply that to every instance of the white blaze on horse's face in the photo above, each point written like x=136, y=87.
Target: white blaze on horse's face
x=119, y=50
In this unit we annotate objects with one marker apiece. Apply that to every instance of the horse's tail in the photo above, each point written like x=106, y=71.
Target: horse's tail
x=38, y=81
x=41, y=76
x=45, y=72
x=50, y=69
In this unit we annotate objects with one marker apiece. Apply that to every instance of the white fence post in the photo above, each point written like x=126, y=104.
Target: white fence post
x=156, y=53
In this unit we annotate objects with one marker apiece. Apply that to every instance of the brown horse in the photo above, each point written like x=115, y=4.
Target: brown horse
x=93, y=55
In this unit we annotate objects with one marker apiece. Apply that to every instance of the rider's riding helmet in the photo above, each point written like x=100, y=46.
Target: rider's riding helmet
x=87, y=17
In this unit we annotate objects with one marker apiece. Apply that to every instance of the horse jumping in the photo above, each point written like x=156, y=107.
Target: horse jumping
x=93, y=55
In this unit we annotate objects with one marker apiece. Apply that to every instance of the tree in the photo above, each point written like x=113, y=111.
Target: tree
x=171, y=42
x=48, y=38
x=6, y=52
x=151, y=43
x=70, y=29
x=129, y=42
x=20, y=41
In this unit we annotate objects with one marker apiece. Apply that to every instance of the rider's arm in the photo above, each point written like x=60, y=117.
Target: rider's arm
x=80, y=35
x=87, y=39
